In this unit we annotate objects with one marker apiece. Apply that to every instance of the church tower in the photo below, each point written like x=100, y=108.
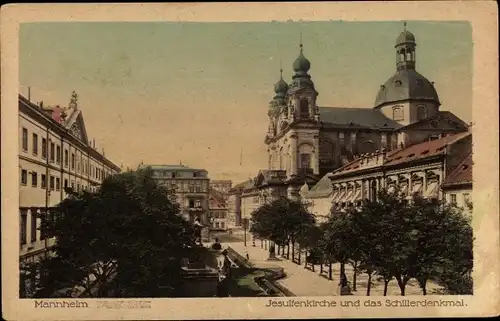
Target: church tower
x=302, y=94
x=304, y=119
x=407, y=97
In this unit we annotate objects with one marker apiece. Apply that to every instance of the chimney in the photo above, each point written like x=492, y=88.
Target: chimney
x=93, y=143
x=29, y=94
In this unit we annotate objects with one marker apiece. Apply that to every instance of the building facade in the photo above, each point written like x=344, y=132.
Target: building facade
x=305, y=141
x=457, y=187
x=218, y=211
x=421, y=169
x=54, y=154
x=189, y=187
x=234, y=205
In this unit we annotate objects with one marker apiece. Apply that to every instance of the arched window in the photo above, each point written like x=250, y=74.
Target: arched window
x=304, y=107
x=402, y=55
x=397, y=113
x=305, y=161
x=281, y=158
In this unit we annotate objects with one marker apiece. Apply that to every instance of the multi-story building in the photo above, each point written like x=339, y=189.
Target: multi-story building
x=217, y=211
x=189, y=187
x=222, y=186
x=419, y=169
x=234, y=205
x=54, y=153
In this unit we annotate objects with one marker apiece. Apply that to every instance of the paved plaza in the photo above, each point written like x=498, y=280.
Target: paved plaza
x=304, y=282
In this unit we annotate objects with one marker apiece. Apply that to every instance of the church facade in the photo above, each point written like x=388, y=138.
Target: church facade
x=305, y=141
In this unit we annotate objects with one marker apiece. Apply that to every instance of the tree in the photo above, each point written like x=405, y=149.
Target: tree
x=281, y=221
x=128, y=238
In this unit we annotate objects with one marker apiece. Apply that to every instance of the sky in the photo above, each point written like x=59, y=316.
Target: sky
x=198, y=93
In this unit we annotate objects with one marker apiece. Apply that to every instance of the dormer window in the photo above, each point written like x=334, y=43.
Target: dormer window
x=421, y=112
x=398, y=83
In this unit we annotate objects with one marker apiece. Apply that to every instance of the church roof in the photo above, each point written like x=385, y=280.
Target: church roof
x=404, y=85
x=361, y=117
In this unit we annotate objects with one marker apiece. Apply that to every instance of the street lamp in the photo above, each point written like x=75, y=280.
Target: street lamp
x=245, y=226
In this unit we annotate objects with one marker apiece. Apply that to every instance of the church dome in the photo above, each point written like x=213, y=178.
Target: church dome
x=406, y=84
x=281, y=86
x=301, y=63
x=405, y=37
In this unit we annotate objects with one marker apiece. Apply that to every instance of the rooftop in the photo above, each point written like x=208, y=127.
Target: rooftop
x=462, y=174
x=359, y=117
x=179, y=167
x=399, y=156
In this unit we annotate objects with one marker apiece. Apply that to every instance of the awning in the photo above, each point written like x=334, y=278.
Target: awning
x=357, y=196
x=341, y=196
x=336, y=194
x=348, y=195
x=417, y=187
x=432, y=189
x=404, y=189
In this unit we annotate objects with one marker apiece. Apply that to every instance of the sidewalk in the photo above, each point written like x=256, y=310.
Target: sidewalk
x=304, y=282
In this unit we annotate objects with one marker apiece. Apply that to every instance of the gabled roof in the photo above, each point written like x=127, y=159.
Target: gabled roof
x=322, y=189
x=418, y=151
x=356, y=117
x=462, y=174
x=174, y=168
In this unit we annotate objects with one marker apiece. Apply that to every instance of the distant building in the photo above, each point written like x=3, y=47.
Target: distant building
x=189, y=187
x=54, y=153
x=217, y=210
x=222, y=186
x=234, y=205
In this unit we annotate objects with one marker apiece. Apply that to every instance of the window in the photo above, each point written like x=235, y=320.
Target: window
x=24, y=177
x=51, y=183
x=35, y=144
x=453, y=199
x=191, y=203
x=33, y=226
x=43, y=181
x=421, y=112
x=304, y=107
x=52, y=152
x=197, y=203
x=58, y=154
x=34, y=179
x=72, y=184
x=191, y=188
x=24, y=226
x=65, y=183
x=221, y=224
x=397, y=113
x=77, y=187
x=58, y=184
x=466, y=198
x=198, y=187
x=305, y=161
x=72, y=161
x=44, y=148
x=66, y=158
x=25, y=139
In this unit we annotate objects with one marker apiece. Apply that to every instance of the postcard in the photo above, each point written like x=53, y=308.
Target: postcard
x=249, y=160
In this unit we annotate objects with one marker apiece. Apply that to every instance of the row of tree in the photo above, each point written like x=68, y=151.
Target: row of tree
x=422, y=239
x=126, y=240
